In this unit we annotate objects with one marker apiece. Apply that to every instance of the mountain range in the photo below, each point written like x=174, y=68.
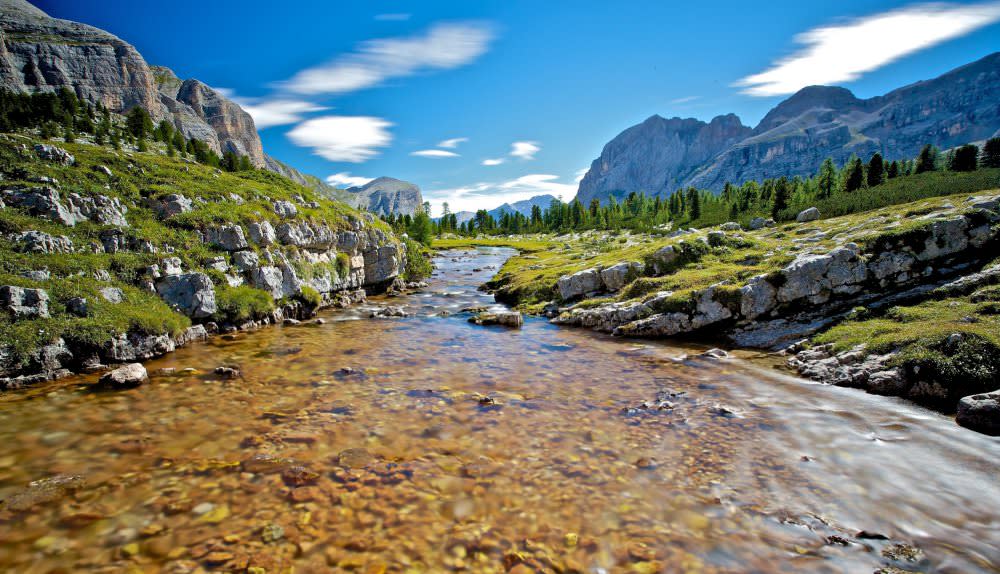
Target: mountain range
x=523, y=207
x=661, y=155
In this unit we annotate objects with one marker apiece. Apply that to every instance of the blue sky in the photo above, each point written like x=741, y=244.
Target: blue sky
x=527, y=92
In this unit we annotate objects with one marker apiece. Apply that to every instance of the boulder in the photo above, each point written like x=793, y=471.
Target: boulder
x=760, y=223
x=511, y=319
x=103, y=169
x=731, y=226
x=757, y=297
x=663, y=257
x=78, y=306
x=810, y=214
x=54, y=154
x=579, y=283
x=305, y=235
x=174, y=204
x=617, y=276
x=37, y=274
x=98, y=208
x=190, y=293
x=245, y=260
x=980, y=413
x=227, y=237
x=285, y=209
x=267, y=278
x=262, y=233
x=126, y=377
x=43, y=202
x=24, y=303
x=171, y=266
x=388, y=311
x=112, y=294
x=381, y=264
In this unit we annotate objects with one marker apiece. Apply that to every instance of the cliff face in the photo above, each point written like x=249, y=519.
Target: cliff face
x=385, y=195
x=38, y=52
x=659, y=156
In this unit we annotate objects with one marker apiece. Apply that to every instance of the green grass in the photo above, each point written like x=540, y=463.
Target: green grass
x=530, y=244
x=140, y=179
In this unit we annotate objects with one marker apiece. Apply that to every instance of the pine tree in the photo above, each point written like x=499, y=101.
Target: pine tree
x=893, y=171
x=965, y=158
x=780, y=197
x=139, y=123
x=926, y=159
x=876, y=167
x=991, y=153
x=826, y=179
x=854, y=176
x=694, y=203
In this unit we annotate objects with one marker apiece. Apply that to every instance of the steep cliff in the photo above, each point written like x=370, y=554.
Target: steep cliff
x=38, y=52
x=659, y=156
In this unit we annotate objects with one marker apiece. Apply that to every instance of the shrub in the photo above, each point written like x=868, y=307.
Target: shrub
x=241, y=304
x=964, y=367
x=310, y=297
x=418, y=264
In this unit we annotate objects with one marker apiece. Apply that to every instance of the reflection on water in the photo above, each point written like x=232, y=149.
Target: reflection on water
x=428, y=444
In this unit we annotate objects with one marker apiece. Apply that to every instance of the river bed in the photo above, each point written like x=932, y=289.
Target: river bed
x=429, y=444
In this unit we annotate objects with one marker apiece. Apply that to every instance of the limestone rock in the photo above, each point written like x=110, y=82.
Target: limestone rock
x=190, y=293
x=54, y=154
x=810, y=214
x=385, y=195
x=617, y=276
x=173, y=204
x=128, y=376
x=228, y=237
x=980, y=413
x=23, y=302
x=579, y=283
x=112, y=294
x=245, y=260
x=285, y=209
x=41, y=242
x=262, y=233
x=511, y=319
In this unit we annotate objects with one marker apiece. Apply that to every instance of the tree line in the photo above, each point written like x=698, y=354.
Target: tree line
x=62, y=114
x=774, y=197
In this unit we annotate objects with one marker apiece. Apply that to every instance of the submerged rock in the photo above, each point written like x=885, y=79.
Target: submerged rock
x=505, y=318
x=131, y=375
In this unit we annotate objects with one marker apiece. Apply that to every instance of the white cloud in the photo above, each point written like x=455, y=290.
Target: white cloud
x=685, y=100
x=843, y=52
x=524, y=150
x=580, y=173
x=484, y=195
x=493, y=161
x=269, y=113
x=343, y=138
x=345, y=179
x=452, y=143
x=399, y=17
x=434, y=153
x=443, y=47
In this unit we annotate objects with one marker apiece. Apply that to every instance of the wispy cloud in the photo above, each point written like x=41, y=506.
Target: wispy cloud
x=345, y=179
x=270, y=113
x=397, y=17
x=452, y=143
x=524, y=150
x=493, y=161
x=685, y=100
x=579, y=174
x=844, y=52
x=485, y=195
x=442, y=47
x=434, y=153
x=343, y=138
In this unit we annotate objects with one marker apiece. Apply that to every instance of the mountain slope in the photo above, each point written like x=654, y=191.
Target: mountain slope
x=659, y=156
x=385, y=195
x=524, y=206
x=38, y=52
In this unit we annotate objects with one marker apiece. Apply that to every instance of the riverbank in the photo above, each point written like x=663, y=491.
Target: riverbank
x=110, y=256
x=897, y=301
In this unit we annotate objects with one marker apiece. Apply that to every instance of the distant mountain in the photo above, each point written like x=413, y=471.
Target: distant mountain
x=385, y=195
x=659, y=155
x=524, y=206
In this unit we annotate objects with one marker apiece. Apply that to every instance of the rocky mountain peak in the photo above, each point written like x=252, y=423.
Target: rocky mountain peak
x=385, y=195
x=807, y=99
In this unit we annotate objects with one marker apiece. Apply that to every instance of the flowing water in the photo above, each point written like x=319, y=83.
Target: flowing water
x=428, y=444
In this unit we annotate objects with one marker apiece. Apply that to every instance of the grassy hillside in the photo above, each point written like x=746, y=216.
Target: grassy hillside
x=139, y=180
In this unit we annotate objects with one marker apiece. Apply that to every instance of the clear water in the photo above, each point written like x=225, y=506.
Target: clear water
x=455, y=447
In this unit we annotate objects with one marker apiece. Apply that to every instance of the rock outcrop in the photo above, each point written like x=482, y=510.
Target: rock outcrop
x=659, y=156
x=777, y=308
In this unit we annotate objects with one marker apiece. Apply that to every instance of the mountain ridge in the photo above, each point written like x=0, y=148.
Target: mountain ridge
x=659, y=156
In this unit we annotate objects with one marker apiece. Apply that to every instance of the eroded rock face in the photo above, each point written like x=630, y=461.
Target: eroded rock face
x=579, y=283
x=285, y=209
x=41, y=242
x=23, y=302
x=227, y=237
x=46, y=202
x=262, y=233
x=306, y=235
x=193, y=294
